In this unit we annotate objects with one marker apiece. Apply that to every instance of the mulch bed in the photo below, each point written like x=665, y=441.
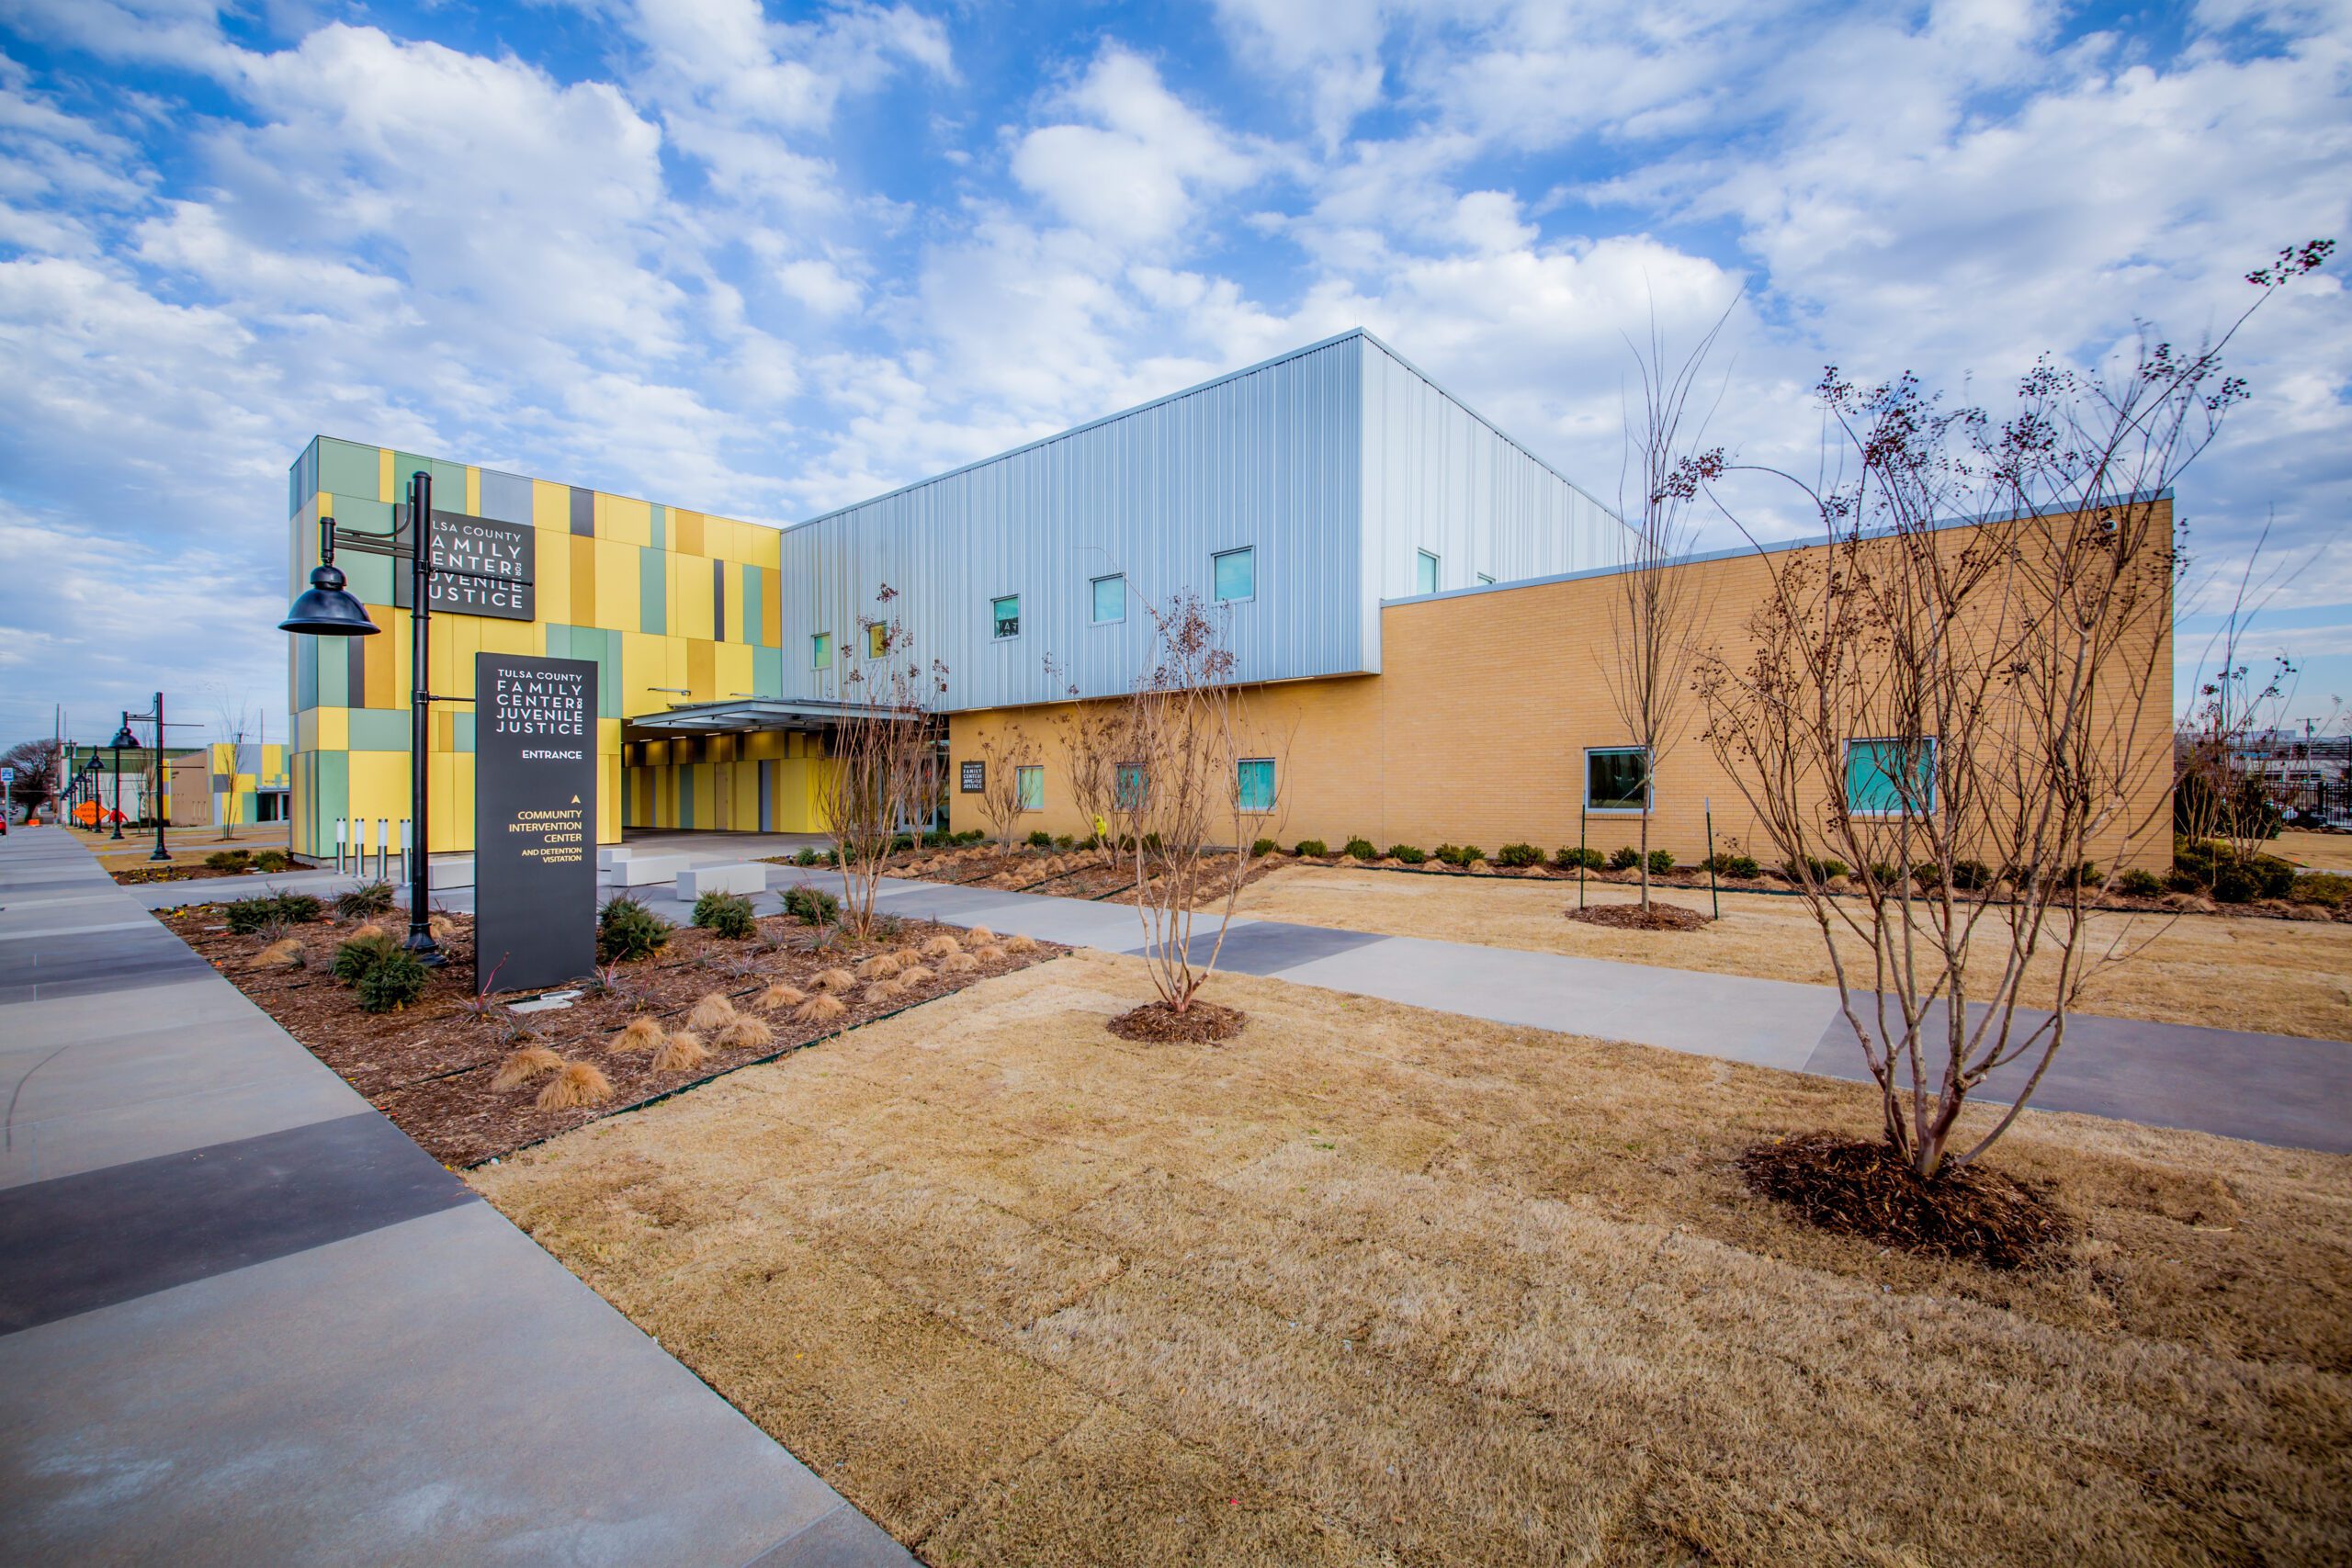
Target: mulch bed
x=1633, y=916
x=1865, y=1190
x=1156, y=1023
x=1063, y=873
x=137, y=875
x=429, y=1067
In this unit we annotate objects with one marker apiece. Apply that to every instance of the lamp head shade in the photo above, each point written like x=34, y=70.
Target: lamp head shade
x=325, y=609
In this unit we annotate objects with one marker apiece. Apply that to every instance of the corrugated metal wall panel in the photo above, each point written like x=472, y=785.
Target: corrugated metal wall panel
x=1438, y=477
x=1270, y=458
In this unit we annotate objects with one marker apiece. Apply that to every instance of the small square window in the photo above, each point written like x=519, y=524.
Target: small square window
x=1129, y=783
x=1876, y=774
x=821, y=650
x=1617, y=778
x=1255, y=782
x=1030, y=781
x=1004, y=616
x=1424, y=572
x=1235, y=574
x=877, y=639
x=1110, y=599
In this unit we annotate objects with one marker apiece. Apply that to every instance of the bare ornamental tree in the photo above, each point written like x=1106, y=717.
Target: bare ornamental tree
x=1208, y=788
x=1004, y=753
x=1973, y=718
x=1099, y=748
x=882, y=772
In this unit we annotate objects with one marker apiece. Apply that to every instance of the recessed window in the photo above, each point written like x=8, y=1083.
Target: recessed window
x=821, y=650
x=1617, y=778
x=1424, y=572
x=1030, y=784
x=1235, y=573
x=1255, y=781
x=877, y=639
x=1891, y=777
x=1128, y=785
x=1110, y=599
x=1004, y=616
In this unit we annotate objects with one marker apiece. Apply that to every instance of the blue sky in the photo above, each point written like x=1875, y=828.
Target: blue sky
x=767, y=262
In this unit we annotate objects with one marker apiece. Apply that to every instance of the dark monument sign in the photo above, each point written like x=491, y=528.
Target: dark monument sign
x=534, y=820
x=481, y=566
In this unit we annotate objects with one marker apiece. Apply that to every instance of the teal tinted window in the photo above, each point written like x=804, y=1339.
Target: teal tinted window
x=1005, y=616
x=1236, y=574
x=1617, y=778
x=1127, y=784
x=1257, y=783
x=1031, y=782
x=1424, y=572
x=1109, y=600
x=820, y=651
x=1886, y=777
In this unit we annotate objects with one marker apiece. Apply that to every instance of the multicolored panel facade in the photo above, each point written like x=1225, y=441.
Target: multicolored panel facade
x=674, y=606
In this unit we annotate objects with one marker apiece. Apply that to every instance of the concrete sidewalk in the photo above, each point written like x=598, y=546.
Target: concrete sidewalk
x=243, y=1319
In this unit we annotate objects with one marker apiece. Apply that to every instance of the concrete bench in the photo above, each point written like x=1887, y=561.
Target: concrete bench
x=636, y=870
x=746, y=877
x=610, y=855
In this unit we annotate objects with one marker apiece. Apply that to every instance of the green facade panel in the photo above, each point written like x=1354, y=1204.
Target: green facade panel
x=654, y=591
x=348, y=468
x=379, y=729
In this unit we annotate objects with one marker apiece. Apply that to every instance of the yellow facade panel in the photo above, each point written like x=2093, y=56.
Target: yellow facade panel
x=584, y=583
x=551, y=507
x=624, y=519
x=701, y=670
x=473, y=491
x=617, y=597
x=731, y=676
x=384, y=481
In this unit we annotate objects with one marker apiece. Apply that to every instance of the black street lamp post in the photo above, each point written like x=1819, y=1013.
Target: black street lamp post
x=162, y=779
x=326, y=609
x=122, y=737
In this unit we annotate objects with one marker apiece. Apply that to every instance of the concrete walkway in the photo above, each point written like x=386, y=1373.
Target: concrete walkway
x=244, y=1320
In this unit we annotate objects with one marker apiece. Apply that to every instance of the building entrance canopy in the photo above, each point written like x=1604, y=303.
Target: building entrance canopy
x=746, y=715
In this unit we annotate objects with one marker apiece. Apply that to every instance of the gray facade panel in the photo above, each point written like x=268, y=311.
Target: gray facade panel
x=1268, y=459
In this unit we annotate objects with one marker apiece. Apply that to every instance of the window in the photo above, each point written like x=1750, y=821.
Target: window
x=1256, y=784
x=877, y=639
x=1004, y=616
x=1424, y=572
x=1030, y=781
x=1109, y=600
x=1884, y=778
x=1128, y=782
x=820, y=651
x=1236, y=575
x=1616, y=778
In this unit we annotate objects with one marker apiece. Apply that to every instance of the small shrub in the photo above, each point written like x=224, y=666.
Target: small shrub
x=1572, y=857
x=1625, y=857
x=1515, y=856
x=273, y=859
x=354, y=958
x=1970, y=875
x=2138, y=883
x=227, y=860
x=1734, y=865
x=971, y=835
x=1661, y=862
x=1041, y=840
x=2327, y=888
x=368, y=899
x=2218, y=869
x=806, y=857
x=1458, y=854
x=812, y=906
x=1263, y=848
x=1405, y=854
x=1064, y=842
x=247, y=916
x=726, y=915
x=1361, y=849
x=628, y=931
x=395, y=981
x=1883, y=874
x=1312, y=847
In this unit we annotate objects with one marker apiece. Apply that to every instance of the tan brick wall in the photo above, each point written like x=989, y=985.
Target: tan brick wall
x=1475, y=733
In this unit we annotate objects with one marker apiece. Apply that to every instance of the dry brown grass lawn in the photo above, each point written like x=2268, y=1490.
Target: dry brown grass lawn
x=1374, y=1285
x=2280, y=976
x=2315, y=852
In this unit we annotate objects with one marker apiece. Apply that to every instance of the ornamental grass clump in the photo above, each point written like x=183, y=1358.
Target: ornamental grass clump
x=368, y=899
x=916, y=975
x=284, y=954
x=579, y=1084
x=642, y=1034
x=1020, y=945
x=780, y=994
x=834, y=980
x=941, y=947
x=980, y=934
x=712, y=1012
x=880, y=967
x=354, y=958
x=682, y=1049
x=525, y=1065
x=726, y=915
x=744, y=1032
x=959, y=963
x=822, y=1007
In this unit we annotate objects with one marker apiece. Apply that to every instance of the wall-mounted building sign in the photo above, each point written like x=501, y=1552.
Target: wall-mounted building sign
x=534, y=820
x=974, y=778
x=481, y=566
